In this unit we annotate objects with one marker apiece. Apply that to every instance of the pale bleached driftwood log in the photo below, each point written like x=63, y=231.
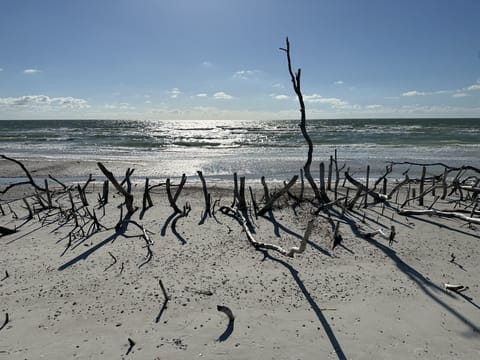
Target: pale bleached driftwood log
x=290, y=253
x=433, y=212
x=455, y=288
x=127, y=195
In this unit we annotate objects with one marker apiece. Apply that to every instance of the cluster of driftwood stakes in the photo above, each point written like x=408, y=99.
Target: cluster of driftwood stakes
x=336, y=197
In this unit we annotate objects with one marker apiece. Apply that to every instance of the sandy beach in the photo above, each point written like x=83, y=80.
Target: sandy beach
x=364, y=299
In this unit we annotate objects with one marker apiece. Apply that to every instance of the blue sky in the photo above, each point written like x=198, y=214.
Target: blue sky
x=219, y=59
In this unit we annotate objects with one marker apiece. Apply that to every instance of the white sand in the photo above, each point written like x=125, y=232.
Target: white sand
x=363, y=300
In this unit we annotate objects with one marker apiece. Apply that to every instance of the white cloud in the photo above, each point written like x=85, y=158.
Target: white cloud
x=246, y=74
x=459, y=95
x=415, y=93
x=31, y=71
x=120, y=106
x=278, y=86
x=373, y=107
x=43, y=101
x=339, y=82
x=222, y=96
x=148, y=102
x=202, y=95
x=207, y=64
x=174, y=92
x=315, y=98
x=280, y=96
x=473, y=88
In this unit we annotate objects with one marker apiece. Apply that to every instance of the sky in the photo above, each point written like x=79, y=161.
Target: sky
x=220, y=59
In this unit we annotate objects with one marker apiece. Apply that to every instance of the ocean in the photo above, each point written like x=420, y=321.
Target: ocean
x=252, y=148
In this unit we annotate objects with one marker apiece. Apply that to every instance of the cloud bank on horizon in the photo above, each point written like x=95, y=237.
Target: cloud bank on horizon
x=215, y=59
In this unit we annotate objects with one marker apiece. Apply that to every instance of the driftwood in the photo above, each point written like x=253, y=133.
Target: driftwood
x=290, y=253
x=30, y=212
x=455, y=288
x=271, y=199
x=172, y=199
x=186, y=210
x=206, y=195
x=27, y=173
x=7, y=275
x=242, y=203
x=147, y=200
x=131, y=344
x=447, y=167
x=295, y=78
x=360, y=187
x=365, y=203
x=5, y=322
x=433, y=212
x=126, y=179
x=231, y=320
x=113, y=263
x=104, y=199
x=166, y=298
x=323, y=192
x=128, y=196
x=337, y=238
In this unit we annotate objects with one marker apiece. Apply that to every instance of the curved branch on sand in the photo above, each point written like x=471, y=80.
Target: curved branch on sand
x=290, y=253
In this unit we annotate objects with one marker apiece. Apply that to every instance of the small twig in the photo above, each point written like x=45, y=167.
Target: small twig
x=231, y=319
x=455, y=288
x=114, y=261
x=165, y=301
x=7, y=320
x=131, y=345
x=7, y=275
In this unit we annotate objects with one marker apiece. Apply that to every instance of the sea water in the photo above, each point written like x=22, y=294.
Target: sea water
x=252, y=148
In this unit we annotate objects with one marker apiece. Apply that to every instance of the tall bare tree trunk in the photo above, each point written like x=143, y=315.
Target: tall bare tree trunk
x=295, y=78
